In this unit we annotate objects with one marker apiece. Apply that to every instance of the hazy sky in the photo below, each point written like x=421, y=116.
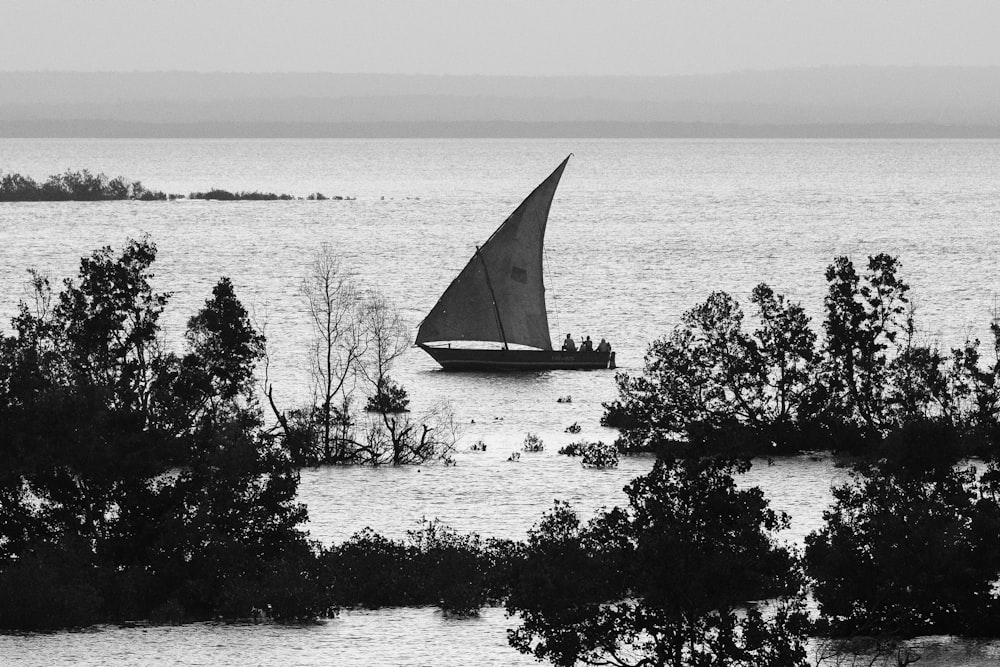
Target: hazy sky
x=544, y=37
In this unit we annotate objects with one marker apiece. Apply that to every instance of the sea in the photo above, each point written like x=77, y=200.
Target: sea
x=639, y=232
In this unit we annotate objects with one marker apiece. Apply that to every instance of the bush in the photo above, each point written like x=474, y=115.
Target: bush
x=390, y=398
x=433, y=566
x=600, y=455
x=573, y=448
x=595, y=454
x=532, y=443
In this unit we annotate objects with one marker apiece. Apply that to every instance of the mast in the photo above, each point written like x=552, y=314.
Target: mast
x=500, y=294
x=493, y=298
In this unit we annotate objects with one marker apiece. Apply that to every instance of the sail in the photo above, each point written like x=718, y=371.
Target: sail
x=510, y=263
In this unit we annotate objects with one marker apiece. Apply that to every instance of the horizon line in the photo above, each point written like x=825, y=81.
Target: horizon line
x=810, y=68
x=111, y=129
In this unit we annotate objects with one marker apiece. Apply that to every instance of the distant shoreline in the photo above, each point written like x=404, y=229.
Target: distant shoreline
x=115, y=129
x=85, y=185
x=810, y=103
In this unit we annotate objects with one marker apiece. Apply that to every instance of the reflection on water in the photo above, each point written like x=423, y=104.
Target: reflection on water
x=406, y=637
x=487, y=494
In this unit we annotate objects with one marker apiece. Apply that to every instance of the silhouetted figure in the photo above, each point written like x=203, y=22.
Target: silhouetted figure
x=569, y=345
x=604, y=346
x=587, y=345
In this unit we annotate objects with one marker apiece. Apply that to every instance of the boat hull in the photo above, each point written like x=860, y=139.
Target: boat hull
x=465, y=359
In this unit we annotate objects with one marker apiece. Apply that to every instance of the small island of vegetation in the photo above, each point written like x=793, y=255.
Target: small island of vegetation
x=75, y=186
x=84, y=185
x=217, y=194
x=225, y=195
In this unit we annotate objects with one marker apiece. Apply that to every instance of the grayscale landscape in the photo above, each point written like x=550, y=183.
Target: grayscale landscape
x=500, y=332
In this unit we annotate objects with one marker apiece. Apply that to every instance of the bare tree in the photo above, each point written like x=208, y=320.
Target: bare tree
x=401, y=439
x=338, y=342
x=357, y=336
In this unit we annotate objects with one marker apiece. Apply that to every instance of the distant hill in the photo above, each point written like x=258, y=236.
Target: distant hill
x=837, y=102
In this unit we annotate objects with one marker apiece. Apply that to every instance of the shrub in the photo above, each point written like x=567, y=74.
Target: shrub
x=600, y=455
x=434, y=565
x=532, y=443
x=573, y=448
x=390, y=398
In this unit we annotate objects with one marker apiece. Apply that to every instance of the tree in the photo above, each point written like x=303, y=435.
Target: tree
x=338, y=345
x=712, y=386
x=864, y=319
x=214, y=380
x=975, y=394
x=399, y=439
x=660, y=582
x=711, y=382
x=77, y=379
x=358, y=335
x=138, y=482
x=908, y=548
x=387, y=339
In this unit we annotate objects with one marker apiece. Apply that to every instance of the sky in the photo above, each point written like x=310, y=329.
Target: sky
x=494, y=37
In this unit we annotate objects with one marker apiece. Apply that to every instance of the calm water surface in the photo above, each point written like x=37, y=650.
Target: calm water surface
x=639, y=232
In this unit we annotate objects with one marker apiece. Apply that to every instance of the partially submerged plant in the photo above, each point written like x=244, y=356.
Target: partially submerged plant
x=600, y=455
x=532, y=443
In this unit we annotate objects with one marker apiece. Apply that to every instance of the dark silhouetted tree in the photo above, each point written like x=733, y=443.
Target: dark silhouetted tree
x=661, y=581
x=138, y=482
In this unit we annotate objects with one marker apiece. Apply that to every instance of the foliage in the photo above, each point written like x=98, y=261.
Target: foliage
x=713, y=386
x=357, y=336
x=600, y=455
x=389, y=398
x=594, y=454
x=138, y=482
x=400, y=440
x=226, y=195
x=532, y=443
x=74, y=186
x=433, y=566
x=711, y=381
x=660, y=581
x=909, y=548
x=574, y=448
x=49, y=587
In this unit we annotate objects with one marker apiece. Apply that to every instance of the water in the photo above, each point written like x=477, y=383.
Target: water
x=639, y=232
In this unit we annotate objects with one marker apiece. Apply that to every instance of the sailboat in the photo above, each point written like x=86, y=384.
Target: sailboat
x=499, y=297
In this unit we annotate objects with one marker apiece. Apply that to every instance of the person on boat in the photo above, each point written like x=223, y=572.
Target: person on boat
x=587, y=345
x=569, y=345
x=604, y=347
